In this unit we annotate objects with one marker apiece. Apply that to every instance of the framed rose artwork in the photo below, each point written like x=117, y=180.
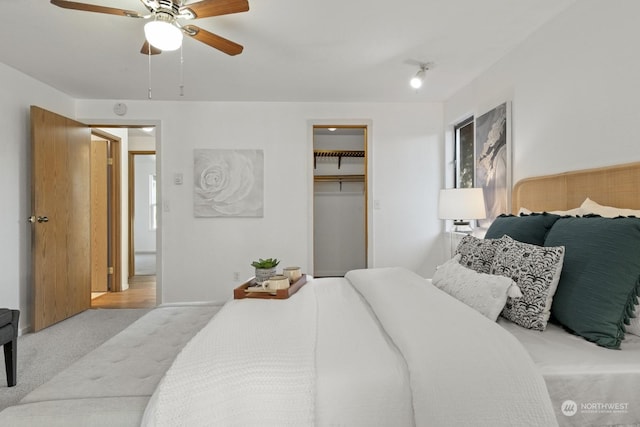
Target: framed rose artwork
x=228, y=183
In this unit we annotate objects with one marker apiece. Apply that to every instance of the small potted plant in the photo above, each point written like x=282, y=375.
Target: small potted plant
x=265, y=268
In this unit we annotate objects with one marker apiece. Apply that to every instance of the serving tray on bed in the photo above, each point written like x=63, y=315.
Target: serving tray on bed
x=242, y=291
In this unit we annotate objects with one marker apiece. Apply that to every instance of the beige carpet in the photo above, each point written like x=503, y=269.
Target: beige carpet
x=43, y=354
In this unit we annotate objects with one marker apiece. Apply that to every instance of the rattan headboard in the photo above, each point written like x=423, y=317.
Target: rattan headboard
x=617, y=185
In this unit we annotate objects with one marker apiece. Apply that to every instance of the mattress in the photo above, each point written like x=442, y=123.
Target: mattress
x=366, y=350
x=589, y=385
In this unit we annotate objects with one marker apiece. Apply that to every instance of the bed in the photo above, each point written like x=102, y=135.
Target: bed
x=378, y=347
x=603, y=383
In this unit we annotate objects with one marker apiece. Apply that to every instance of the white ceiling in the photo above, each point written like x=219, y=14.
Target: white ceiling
x=294, y=50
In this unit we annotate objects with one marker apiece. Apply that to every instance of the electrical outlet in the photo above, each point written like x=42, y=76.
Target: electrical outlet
x=236, y=276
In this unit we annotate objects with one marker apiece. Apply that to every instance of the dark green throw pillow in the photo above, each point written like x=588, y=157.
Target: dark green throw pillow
x=530, y=229
x=600, y=276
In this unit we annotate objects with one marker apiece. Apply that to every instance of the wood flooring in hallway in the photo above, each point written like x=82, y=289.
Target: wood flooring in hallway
x=141, y=294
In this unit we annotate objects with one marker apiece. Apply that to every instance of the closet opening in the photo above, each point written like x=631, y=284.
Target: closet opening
x=340, y=199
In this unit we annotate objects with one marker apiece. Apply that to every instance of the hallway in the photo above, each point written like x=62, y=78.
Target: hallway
x=141, y=294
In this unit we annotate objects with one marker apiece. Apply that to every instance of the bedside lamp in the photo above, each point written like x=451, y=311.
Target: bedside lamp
x=461, y=205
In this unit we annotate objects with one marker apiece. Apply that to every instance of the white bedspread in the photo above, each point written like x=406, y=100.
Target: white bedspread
x=253, y=366
x=465, y=370
x=362, y=378
x=381, y=347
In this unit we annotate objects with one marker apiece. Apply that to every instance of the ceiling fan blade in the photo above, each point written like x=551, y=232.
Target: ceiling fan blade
x=148, y=49
x=213, y=40
x=95, y=8
x=205, y=8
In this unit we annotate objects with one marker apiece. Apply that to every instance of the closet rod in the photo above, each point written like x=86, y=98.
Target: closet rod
x=338, y=178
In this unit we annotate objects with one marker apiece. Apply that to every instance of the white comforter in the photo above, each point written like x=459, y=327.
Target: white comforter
x=380, y=347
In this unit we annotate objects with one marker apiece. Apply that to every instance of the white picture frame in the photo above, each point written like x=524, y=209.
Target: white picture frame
x=228, y=183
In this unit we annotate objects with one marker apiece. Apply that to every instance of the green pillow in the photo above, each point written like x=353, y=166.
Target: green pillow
x=600, y=276
x=530, y=229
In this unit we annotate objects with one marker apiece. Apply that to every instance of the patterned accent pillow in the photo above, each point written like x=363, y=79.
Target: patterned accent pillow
x=536, y=270
x=477, y=254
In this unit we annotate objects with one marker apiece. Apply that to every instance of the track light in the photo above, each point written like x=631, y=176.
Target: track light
x=418, y=79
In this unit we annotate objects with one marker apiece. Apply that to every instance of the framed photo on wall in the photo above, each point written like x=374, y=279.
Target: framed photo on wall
x=228, y=183
x=493, y=160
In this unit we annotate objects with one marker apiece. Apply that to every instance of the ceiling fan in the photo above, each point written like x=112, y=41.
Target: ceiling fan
x=164, y=31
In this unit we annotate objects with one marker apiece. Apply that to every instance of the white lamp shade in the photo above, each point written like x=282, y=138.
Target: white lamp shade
x=163, y=35
x=461, y=203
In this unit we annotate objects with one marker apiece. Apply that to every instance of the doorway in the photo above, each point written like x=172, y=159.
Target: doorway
x=340, y=220
x=129, y=290
x=105, y=213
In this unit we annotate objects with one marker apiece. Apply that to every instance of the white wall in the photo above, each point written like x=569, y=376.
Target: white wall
x=574, y=87
x=142, y=143
x=199, y=255
x=339, y=232
x=405, y=160
x=19, y=92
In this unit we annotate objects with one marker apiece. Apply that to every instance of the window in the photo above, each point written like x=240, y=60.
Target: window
x=464, y=154
x=153, y=206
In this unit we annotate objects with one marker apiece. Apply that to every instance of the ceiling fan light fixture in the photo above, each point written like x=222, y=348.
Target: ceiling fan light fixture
x=163, y=35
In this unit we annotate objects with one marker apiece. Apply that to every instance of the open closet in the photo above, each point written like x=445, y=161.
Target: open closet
x=340, y=199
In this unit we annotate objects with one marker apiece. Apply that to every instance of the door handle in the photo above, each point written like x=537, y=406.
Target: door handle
x=33, y=219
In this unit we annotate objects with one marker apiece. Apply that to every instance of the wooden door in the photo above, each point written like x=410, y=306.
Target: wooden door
x=99, y=216
x=61, y=203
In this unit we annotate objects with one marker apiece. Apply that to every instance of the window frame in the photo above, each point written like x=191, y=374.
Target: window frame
x=457, y=157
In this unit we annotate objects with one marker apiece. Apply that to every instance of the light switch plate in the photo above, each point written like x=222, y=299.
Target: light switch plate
x=178, y=179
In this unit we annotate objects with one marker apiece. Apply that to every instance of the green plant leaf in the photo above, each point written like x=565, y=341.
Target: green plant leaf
x=265, y=263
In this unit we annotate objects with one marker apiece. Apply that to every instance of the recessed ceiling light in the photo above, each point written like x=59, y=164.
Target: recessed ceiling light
x=332, y=129
x=148, y=129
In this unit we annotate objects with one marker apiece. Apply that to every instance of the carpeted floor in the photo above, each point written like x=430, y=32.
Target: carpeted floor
x=43, y=354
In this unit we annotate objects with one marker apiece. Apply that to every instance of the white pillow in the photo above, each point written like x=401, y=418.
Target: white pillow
x=483, y=292
x=571, y=212
x=634, y=327
x=589, y=206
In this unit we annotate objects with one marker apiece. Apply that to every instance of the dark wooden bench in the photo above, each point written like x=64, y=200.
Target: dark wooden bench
x=9, y=339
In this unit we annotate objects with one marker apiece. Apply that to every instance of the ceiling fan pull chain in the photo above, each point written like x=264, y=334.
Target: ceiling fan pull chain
x=181, y=71
x=149, y=51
